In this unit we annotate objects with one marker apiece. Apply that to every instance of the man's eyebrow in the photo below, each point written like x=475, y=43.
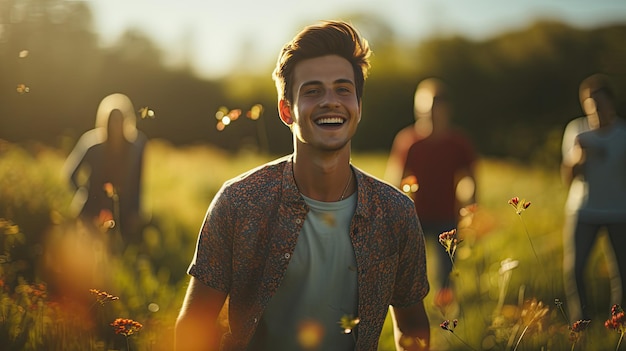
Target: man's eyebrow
x=344, y=80
x=338, y=81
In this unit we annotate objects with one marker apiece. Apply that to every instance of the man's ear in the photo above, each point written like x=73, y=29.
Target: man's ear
x=284, y=111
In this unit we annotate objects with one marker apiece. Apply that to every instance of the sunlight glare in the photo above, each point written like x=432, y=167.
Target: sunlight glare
x=465, y=189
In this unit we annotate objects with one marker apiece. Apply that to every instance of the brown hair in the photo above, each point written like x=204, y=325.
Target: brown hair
x=327, y=38
x=595, y=83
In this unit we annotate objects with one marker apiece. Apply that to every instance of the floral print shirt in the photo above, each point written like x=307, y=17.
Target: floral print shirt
x=251, y=229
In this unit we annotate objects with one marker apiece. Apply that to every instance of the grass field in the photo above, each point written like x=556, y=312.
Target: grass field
x=49, y=264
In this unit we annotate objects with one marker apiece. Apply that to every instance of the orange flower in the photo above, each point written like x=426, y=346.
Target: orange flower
x=102, y=296
x=126, y=327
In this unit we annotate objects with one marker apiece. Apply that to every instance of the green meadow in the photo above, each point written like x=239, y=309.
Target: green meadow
x=507, y=276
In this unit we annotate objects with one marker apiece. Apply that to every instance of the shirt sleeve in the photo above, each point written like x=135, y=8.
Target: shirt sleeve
x=212, y=261
x=411, y=279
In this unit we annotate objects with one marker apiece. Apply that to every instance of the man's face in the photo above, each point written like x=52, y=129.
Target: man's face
x=325, y=111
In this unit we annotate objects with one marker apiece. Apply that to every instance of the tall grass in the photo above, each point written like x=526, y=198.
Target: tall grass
x=49, y=263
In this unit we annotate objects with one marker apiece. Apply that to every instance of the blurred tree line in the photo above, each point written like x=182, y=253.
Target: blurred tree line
x=513, y=93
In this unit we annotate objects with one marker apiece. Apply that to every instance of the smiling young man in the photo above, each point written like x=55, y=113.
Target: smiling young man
x=304, y=242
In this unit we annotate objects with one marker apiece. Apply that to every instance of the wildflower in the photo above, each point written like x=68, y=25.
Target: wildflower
x=617, y=322
x=126, y=327
x=532, y=315
x=348, y=323
x=445, y=325
x=103, y=297
x=450, y=242
x=534, y=311
x=519, y=205
x=450, y=326
x=576, y=330
x=580, y=325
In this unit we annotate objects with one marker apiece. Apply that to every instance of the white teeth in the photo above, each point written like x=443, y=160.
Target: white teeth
x=329, y=120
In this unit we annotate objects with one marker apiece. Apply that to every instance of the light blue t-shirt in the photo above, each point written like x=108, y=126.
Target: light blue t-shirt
x=319, y=287
x=605, y=174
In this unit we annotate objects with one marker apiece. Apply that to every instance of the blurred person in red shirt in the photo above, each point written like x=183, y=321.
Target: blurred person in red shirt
x=434, y=163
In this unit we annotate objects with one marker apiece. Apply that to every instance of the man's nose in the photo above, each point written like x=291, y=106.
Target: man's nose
x=329, y=99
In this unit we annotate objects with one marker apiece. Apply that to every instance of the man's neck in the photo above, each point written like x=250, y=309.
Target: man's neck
x=324, y=176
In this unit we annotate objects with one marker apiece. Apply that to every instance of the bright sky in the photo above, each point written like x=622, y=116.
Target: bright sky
x=213, y=33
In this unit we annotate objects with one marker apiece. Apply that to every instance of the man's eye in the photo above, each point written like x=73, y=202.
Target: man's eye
x=344, y=90
x=309, y=92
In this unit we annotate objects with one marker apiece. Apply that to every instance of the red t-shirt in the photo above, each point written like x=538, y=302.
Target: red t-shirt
x=435, y=161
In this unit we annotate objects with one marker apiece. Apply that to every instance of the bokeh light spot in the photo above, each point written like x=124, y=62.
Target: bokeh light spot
x=153, y=307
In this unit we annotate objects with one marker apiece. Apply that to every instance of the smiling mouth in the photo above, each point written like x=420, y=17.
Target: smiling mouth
x=330, y=121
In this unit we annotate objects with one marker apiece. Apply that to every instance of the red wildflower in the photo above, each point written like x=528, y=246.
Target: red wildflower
x=618, y=319
x=449, y=241
x=577, y=328
x=519, y=205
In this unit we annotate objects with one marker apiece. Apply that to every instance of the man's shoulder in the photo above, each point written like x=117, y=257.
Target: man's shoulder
x=577, y=125
x=376, y=187
x=261, y=177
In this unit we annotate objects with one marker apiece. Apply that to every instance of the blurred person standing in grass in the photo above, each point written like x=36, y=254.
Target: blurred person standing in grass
x=308, y=251
x=599, y=157
x=434, y=163
x=105, y=169
x=576, y=184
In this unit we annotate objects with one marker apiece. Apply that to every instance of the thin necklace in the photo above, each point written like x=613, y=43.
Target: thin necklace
x=347, y=185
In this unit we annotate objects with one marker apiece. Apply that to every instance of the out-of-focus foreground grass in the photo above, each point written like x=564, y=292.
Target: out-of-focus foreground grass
x=48, y=263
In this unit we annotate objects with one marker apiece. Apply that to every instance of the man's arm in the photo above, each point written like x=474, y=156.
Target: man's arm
x=572, y=164
x=397, y=157
x=196, y=325
x=411, y=328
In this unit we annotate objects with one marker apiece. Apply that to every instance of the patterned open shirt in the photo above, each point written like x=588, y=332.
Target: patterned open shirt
x=250, y=232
